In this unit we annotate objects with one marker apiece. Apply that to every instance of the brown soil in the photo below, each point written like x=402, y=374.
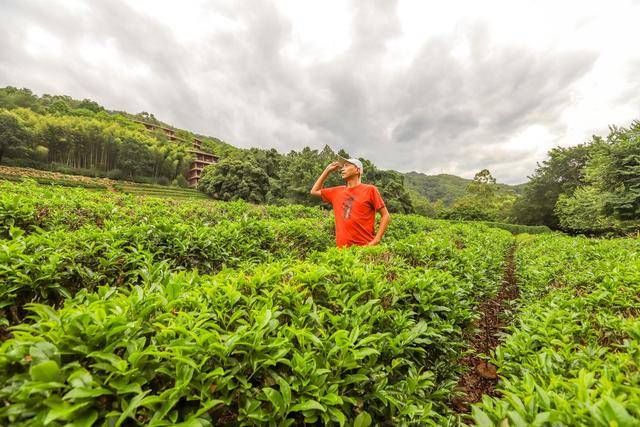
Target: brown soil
x=4, y=333
x=481, y=377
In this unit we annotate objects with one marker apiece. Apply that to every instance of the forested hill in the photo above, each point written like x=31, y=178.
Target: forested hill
x=59, y=133
x=445, y=187
x=591, y=188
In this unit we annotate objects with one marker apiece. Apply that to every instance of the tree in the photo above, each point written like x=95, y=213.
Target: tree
x=583, y=212
x=135, y=159
x=11, y=97
x=234, y=179
x=13, y=136
x=59, y=107
x=615, y=170
x=610, y=200
x=470, y=208
x=422, y=205
x=90, y=105
x=301, y=169
x=483, y=201
x=560, y=174
x=483, y=185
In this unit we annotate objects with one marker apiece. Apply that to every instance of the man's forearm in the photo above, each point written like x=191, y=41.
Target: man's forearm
x=320, y=182
x=384, y=223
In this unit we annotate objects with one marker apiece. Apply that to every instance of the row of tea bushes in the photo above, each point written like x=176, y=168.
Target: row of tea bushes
x=49, y=266
x=573, y=355
x=349, y=337
x=518, y=228
x=34, y=208
x=31, y=207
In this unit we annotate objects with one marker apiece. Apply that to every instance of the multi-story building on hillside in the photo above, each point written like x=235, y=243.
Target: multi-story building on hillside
x=200, y=158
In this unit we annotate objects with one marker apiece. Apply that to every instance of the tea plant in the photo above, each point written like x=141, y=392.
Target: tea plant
x=336, y=339
x=573, y=354
x=149, y=311
x=54, y=265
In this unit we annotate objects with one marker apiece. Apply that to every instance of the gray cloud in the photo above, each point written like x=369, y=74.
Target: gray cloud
x=427, y=124
x=437, y=114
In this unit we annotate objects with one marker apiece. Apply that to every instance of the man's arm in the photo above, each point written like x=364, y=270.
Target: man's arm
x=315, y=190
x=384, y=222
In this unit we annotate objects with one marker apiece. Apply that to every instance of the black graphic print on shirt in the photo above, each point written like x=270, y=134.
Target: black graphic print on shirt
x=346, y=206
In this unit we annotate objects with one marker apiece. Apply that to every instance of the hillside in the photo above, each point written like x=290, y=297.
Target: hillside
x=445, y=187
x=62, y=134
x=210, y=143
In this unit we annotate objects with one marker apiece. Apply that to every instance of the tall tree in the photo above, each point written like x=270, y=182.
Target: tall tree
x=483, y=185
x=583, y=212
x=134, y=159
x=483, y=200
x=235, y=179
x=615, y=170
x=13, y=136
x=560, y=174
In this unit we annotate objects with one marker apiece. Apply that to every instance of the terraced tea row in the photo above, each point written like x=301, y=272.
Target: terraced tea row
x=573, y=355
x=31, y=207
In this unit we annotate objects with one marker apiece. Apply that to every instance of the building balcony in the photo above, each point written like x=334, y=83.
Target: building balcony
x=200, y=164
x=206, y=159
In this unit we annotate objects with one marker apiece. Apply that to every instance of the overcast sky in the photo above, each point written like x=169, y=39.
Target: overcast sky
x=435, y=87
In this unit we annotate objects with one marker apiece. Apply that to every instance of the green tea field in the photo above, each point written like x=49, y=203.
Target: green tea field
x=124, y=310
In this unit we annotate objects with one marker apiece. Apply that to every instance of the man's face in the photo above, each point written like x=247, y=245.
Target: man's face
x=348, y=170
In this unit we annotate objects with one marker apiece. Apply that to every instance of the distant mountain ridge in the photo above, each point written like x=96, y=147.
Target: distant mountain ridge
x=445, y=187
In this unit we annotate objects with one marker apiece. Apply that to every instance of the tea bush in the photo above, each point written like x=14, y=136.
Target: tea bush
x=519, y=229
x=573, y=355
x=340, y=337
x=146, y=311
x=49, y=266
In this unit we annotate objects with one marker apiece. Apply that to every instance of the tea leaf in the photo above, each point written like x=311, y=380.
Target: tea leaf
x=362, y=420
x=47, y=371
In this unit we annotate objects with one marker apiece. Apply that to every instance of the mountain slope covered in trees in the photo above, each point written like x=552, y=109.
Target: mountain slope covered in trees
x=591, y=188
x=445, y=187
x=59, y=133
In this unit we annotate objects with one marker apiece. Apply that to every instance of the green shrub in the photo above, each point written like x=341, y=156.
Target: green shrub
x=572, y=357
x=341, y=337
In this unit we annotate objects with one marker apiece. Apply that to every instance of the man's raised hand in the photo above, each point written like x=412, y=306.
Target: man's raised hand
x=334, y=166
x=315, y=190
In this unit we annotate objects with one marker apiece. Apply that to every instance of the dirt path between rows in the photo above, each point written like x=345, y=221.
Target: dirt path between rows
x=481, y=377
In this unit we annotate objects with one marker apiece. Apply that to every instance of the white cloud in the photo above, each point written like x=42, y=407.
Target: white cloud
x=42, y=43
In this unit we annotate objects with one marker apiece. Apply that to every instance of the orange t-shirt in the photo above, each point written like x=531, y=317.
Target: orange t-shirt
x=355, y=210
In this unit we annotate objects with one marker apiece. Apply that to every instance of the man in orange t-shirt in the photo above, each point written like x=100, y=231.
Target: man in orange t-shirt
x=354, y=205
